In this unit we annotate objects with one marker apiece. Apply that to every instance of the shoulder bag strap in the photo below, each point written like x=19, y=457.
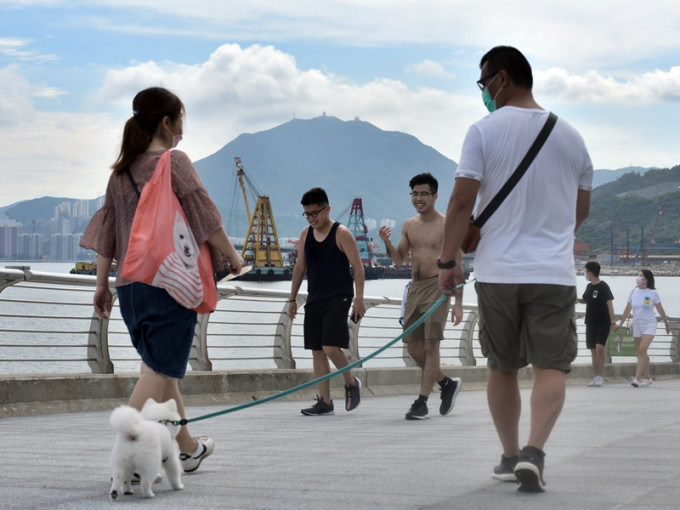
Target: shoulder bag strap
x=517, y=175
x=132, y=181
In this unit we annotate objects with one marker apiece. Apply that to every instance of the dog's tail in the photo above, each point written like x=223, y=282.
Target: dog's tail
x=125, y=420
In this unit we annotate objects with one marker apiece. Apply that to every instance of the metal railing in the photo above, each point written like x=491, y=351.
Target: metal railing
x=48, y=325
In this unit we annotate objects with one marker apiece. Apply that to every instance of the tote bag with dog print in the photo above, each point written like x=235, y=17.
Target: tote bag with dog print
x=162, y=250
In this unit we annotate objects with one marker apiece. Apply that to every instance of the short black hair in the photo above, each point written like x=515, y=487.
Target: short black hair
x=510, y=60
x=315, y=196
x=593, y=267
x=425, y=178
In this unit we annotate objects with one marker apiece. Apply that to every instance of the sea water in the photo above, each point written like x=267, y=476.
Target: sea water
x=621, y=286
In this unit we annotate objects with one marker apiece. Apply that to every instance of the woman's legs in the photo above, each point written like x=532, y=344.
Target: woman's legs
x=161, y=388
x=642, y=344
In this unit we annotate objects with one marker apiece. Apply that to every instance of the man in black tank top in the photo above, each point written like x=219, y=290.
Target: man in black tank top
x=325, y=252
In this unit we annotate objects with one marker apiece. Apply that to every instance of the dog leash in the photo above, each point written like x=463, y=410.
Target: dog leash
x=352, y=365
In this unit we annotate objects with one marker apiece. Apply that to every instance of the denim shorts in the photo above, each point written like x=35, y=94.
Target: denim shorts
x=161, y=329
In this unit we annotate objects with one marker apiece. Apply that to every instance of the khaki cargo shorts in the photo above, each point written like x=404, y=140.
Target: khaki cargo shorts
x=421, y=296
x=522, y=324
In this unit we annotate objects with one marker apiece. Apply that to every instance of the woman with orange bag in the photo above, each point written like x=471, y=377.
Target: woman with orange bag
x=161, y=329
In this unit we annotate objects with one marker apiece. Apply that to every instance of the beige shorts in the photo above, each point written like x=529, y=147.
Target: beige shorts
x=421, y=296
x=522, y=324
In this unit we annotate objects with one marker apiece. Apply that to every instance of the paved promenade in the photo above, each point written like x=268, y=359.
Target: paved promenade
x=614, y=447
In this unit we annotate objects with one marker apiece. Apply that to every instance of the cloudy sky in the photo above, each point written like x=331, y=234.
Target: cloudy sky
x=69, y=70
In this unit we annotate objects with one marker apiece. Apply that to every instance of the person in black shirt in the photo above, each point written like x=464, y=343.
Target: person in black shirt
x=326, y=251
x=599, y=318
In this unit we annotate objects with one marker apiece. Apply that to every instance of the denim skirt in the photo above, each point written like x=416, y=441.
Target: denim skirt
x=161, y=329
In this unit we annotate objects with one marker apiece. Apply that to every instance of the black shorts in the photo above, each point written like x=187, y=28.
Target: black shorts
x=326, y=323
x=596, y=334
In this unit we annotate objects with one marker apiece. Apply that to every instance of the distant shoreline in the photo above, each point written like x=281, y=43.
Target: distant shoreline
x=658, y=270
x=605, y=270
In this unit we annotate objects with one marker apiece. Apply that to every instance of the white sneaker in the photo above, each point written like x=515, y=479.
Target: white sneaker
x=596, y=382
x=635, y=383
x=645, y=382
x=205, y=447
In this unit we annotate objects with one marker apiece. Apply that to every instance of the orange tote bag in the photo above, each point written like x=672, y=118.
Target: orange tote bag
x=162, y=250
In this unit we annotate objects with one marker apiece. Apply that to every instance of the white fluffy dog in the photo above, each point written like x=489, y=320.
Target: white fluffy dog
x=145, y=444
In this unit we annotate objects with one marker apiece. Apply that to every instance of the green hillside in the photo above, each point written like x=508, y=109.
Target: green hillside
x=632, y=207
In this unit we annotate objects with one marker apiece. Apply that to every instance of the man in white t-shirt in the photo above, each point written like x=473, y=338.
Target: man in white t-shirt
x=524, y=263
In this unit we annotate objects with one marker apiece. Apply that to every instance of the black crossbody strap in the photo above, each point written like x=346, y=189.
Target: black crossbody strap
x=134, y=184
x=517, y=175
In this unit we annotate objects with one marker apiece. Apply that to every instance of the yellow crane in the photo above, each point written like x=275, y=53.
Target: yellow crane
x=261, y=247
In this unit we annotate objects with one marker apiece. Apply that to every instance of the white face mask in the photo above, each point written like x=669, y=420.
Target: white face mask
x=175, y=140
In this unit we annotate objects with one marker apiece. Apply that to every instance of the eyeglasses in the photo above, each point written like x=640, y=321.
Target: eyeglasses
x=313, y=214
x=416, y=194
x=482, y=80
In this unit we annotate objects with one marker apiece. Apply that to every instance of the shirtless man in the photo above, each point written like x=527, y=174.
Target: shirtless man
x=422, y=235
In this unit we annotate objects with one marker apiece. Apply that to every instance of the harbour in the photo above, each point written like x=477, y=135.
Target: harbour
x=49, y=326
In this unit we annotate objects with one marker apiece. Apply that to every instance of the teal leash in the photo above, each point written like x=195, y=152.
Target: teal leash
x=352, y=365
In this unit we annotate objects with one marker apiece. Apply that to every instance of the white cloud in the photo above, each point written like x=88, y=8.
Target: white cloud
x=250, y=89
x=593, y=87
x=50, y=153
x=578, y=35
x=238, y=90
x=14, y=48
x=430, y=69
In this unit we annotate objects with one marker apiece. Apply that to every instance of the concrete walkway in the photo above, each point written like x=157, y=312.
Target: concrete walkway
x=614, y=447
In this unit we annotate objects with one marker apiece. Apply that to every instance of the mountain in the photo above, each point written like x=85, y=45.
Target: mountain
x=601, y=177
x=635, y=206
x=39, y=209
x=347, y=158
x=357, y=159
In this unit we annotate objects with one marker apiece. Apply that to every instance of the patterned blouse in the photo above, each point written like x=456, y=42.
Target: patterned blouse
x=109, y=229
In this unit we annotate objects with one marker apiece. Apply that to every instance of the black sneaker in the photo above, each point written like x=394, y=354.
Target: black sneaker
x=418, y=411
x=352, y=395
x=449, y=394
x=529, y=470
x=321, y=408
x=505, y=471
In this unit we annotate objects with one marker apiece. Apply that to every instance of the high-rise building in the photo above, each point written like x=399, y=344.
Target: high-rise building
x=30, y=246
x=9, y=240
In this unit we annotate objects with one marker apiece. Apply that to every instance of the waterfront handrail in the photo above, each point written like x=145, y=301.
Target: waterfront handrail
x=47, y=323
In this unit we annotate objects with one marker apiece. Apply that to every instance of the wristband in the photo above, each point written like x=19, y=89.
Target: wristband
x=446, y=265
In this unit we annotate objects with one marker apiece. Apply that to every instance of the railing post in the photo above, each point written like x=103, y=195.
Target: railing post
x=98, y=357
x=282, y=341
x=465, y=348
x=10, y=277
x=675, y=340
x=353, y=353
x=607, y=355
x=198, y=358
